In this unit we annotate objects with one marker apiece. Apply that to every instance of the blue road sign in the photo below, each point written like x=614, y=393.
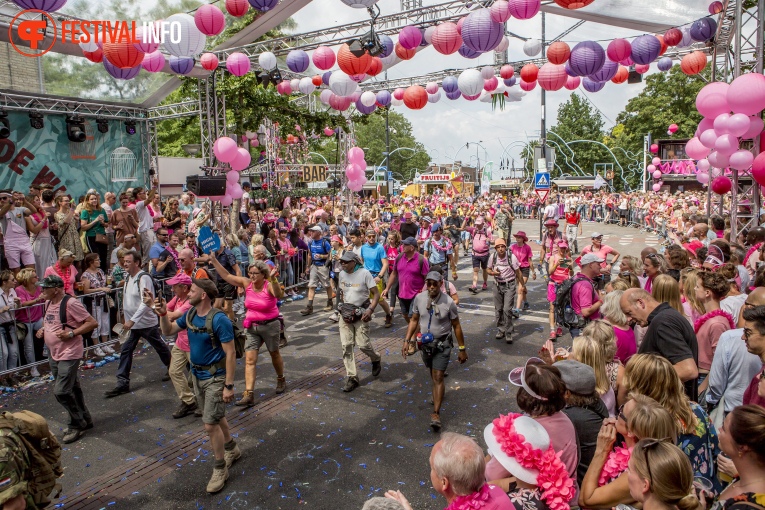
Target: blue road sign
x=542, y=180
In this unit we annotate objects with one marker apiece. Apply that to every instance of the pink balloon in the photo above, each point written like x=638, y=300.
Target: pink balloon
x=721, y=124
x=227, y=200
x=717, y=87
x=738, y=124
x=708, y=138
x=657, y=187
x=706, y=124
x=654, y=148
x=721, y=185
x=695, y=149
x=703, y=178
x=656, y=161
x=355, y=154
x=238, y=191
x=703, y=165
x=232, y=177
x=756, y=126
x=242, y=160
x=657, y=174
x=673, y=128
x=741, y=159
x=758, y=169
x=225, y=149
x=713, y=105
x=717, y=160
x=746, y=94
x=726, y=145
x=651, y=168
x=353, y=172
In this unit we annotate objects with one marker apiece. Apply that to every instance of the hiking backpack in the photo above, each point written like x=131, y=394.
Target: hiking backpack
x=239, y=335
x=564, y=311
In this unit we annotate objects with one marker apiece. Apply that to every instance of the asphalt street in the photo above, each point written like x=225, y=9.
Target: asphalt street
x=313, y=446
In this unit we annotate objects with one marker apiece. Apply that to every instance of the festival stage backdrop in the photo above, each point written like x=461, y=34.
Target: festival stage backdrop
x=47, y=156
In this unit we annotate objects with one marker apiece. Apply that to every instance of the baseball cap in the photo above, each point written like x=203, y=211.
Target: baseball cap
x=589, y=259
x=409, y=241
x=315, y=228
x=349, y=256
x=51, y=282
x=179, y=279
x=435, y=227
x=578, y=377
x=563, y=243
x=479, y=220
x=435, y=276
x=596, y=234
x=407, y=215
x=207, y=286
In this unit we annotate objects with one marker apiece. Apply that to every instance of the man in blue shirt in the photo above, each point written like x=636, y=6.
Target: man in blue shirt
x=157, y=249
x=318, y=269
x=213, y=363
x=376, y=262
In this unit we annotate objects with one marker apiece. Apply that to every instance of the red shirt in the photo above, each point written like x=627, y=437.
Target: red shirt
x=572, y=219
x=751, y=396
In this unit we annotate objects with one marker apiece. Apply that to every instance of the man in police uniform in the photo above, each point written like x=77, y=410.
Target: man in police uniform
x=436, y=315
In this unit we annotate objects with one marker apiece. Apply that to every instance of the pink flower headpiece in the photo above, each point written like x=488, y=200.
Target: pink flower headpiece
x=556, y=486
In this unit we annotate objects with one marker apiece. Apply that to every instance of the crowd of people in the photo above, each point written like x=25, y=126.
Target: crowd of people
x=658, y=398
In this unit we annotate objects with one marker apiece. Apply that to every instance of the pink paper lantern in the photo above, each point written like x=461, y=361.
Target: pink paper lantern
x=746, y=94
x=741, y=159
x=642, y=68
x=524, y=9
x=572, y=82
x=146, y=47
x=758, y=169
x=618, y=50
x=528, y=86
x=491, y=84
x=238, y=64
x=552, y=77
x=155, y=62
x=209, y=61
x=446, y=38
x=209, y=19
x=398, y=94
x=721, y=185
x=409, y=37
x=506, y=71
x=500, y=11
x=323, y=58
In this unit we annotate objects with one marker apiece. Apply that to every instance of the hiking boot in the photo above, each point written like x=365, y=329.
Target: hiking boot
x=248, y=399
x=217, y=480
x=351, y=384
x=308, y=310
x=329, y=307
x=119, y=390
x=166, y=377
x=499, y=335
x=231, y=456
x=376, y=368
x=389, y=320
x=72, y=435
x=185, y=410
x=281, y=385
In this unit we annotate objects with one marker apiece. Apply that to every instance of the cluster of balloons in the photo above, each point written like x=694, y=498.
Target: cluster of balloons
x=731, y=114
x=239, y=158
x=355, y=171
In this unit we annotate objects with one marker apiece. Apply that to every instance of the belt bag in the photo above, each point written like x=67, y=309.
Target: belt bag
x=439, y=344
x=352, y=313
x=211, y=369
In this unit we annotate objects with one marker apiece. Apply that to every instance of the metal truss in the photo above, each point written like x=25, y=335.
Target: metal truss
x=53, y=105
x=149, y=151
x=173, y=111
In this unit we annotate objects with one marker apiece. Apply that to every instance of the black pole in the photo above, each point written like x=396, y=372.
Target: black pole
x=334, y=174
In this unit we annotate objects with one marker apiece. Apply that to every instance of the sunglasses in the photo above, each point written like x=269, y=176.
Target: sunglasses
x=648, y=446
x=620, y=413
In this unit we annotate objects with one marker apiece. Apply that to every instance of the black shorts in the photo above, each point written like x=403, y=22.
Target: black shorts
x=481, y=261
x=406, y=305
x=435, y=358
x=525, y=271
x=623, y=213
x=226, y=291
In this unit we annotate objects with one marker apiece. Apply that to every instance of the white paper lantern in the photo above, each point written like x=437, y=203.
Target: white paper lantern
x=267, y=60
x=396, y=102
x=390, y=60
x=295, y=84
x=192, y=41
x=368, y=98
x=470, y=82
x=487, y=72
x=428, y=35
x=89, y=46
x=434, y=98
x=359, y=4
x=503, y=44
x=341, y=84
x=532, y=47
x=306, y=85
x=325, y=95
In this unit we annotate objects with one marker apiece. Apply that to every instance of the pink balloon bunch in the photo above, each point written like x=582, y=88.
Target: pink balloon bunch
x=225, y=149
x=355, y=171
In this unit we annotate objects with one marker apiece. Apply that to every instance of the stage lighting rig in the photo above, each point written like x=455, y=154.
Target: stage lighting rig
x=103, y=125
x=5, y=126
x=369, y=42
x=276, y=76
x=75, y=128
x=36, y=120
x=130, y=127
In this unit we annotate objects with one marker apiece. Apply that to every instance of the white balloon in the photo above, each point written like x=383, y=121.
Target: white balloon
x=470, y=82
x=503, y=44
x=368, y=98
x=487, y=72
x=89, y=46
x=267, y=60
x=341, y=84
x=250, y=134
x=192, y=41
x=295, y=84
x=306, y=85
x=428, y=35
x=396, y=102
x=532, y=47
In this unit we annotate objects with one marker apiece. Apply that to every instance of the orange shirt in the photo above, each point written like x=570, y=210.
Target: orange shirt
x=199, y=273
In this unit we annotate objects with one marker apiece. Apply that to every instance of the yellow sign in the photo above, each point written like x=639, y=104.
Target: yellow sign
x=314, y=173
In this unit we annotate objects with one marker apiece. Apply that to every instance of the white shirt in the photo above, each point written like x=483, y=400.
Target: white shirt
x=7, y=299
x=133, y=305
x=145, y=221
x=551, y=211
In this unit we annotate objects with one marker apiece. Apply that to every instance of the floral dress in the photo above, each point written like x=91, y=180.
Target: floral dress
x=68, y=237
x=745, y=501
x=527, y=499
x=702, y=447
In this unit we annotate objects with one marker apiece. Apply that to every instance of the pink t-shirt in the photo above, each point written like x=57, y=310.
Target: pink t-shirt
x=601, y=253
x=261, y=306
x=481, y=240
x=708, y=335
x=76, y=315
x=522, y=253
x=626, y=346
x=582, y=296
x=33, y=314
x=410, y=277
x=68, y=286
x=391, y=253
x=182, y=340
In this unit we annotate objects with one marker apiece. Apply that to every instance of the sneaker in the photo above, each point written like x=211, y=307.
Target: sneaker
x=376, y=368
x=281, y=385
x=99, y=352
x=198, y=412
x=232, y=456
x=108, y=349
x=559, y=331
x=389, y=320
x=351, y=384
x=335, y=317
x=499, y=335
x=474, y=290
x=553, y=336
x=72, y=435
x=217, y=480
x=308, y=310
x=185, y=410
x=526, y=306
x=516, y=313
x=34, y=372
x=484, y=286
x=435, y=422
x=119, y=390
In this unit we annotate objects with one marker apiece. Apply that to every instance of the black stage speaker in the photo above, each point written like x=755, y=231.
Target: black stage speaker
x=203, y=186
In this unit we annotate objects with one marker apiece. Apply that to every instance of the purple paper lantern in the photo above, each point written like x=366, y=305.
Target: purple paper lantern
x=388, y=45
x=468, y=53
x=263, y=5
x=409, y=37
x=366, y=110
x=606, y=72
x=153, y=62
x=524, y=9
x=587, y=58
x=453, y=95
x=450, y=85
x=703, y=29
x=664, y=64
x=41, y=5
x=510, y=81
x=645, y=49
x=568, y=70
x=325, y=78
x=383, y=98
x=121, y=74
x=480, y=32
x=298, y=61
x=592, y=85
x=182, y=65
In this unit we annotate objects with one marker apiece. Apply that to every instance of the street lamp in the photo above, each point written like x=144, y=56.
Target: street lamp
x=192, y=149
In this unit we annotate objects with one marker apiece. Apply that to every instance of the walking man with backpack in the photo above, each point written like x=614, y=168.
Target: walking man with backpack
x=139, y=321
x=64, y=322
x=356, y=284
x=506, y=270
x=213, y=364
x=584, y=298
x=318, y=269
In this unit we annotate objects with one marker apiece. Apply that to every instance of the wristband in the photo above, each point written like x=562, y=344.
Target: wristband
x=162, y=314
x=462, y=347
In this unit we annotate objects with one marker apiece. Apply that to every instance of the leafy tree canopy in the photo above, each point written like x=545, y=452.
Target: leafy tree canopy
x=578, y=119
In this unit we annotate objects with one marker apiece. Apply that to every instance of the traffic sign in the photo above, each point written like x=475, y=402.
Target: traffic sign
x=542, y=180
x=542, y=194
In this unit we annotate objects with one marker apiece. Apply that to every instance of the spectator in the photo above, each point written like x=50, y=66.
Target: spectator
x=742, y=440
x=626, y=346
x=754, y=338
x=93, y=220
x=669, y=483
x=68, y=236
x=665, y=289
x=64, y=269
x=94, y=282
x=590, y=351
x=734, y=299
x=29, y=294
x=653, y=265
x=9, y=342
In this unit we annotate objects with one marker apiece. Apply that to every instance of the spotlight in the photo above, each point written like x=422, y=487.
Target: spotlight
x=264, y=79
x=368, y=43
x=130, y=127
x=36, y=120
x=5, y=127
x=276, y=76
x=75, y=129
x=103, y=125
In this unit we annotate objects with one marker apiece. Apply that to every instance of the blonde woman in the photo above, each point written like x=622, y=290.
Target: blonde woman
x=256, y=240
x=660, y=477
x=693, y=308
x=631, y=264
x=654, y=376
x=587, y=350
x=171, y=219
x=603, y=333
x=666, y=290
x=626, y=345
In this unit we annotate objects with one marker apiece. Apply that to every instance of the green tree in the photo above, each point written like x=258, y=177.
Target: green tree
x=370, y=135
x=577, y=120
